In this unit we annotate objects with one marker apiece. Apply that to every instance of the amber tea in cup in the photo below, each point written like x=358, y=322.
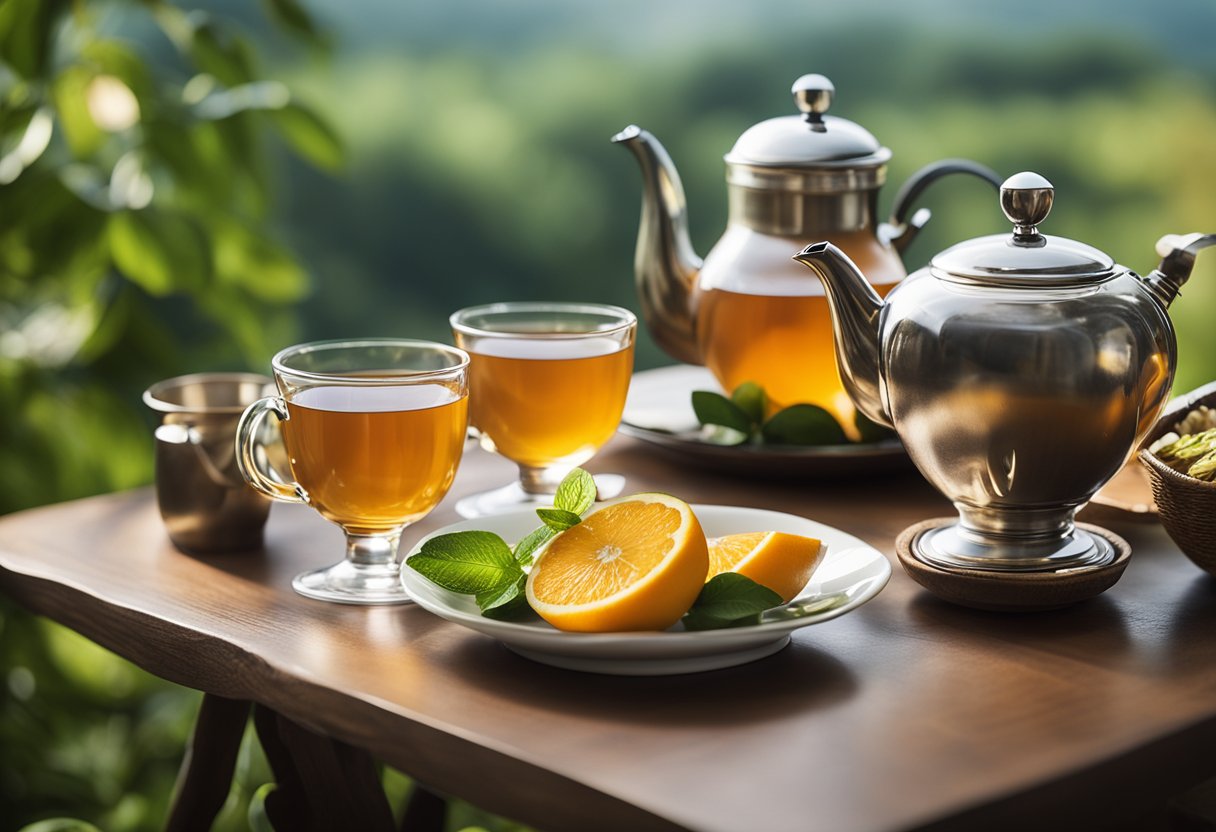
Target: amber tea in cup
x=547, y=386
x=374, y=431
x=377, y=460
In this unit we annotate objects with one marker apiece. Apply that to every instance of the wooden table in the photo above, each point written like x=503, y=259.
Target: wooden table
x=908, y=713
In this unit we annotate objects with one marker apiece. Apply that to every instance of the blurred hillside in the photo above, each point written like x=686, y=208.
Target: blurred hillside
x=481, y=168
x=1177, y=29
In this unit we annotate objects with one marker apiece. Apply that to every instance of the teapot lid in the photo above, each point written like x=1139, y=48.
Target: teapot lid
x=1025, y=258
x=812, y=140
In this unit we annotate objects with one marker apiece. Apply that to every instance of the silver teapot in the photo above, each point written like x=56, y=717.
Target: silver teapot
x=746, y=312
x=1020, y=370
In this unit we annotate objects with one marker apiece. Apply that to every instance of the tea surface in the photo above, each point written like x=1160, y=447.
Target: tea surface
x=539, y=402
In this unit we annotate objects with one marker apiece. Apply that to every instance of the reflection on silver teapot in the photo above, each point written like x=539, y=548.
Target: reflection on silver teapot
x=1019, y=370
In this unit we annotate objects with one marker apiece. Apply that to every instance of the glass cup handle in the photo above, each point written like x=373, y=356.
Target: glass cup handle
x=249, y=451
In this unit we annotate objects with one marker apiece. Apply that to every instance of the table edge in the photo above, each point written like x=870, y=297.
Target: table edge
x=365, y=722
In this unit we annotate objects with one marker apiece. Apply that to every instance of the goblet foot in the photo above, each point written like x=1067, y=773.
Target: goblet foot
x=354, y=583
x=512, y=497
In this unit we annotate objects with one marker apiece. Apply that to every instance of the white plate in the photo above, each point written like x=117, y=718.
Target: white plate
x=851, y=567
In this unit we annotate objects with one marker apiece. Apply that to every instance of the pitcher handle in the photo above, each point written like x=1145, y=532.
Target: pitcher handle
x=250, y=452
x=900, y=231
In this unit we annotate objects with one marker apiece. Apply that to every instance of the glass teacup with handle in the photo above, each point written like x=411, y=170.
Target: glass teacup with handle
x=374, y=430
x=547, y=388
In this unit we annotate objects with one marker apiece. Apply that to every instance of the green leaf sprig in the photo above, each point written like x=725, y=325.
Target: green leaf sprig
x=481, y=564
x=729, y=600
x=734, y=600
x=740, y=420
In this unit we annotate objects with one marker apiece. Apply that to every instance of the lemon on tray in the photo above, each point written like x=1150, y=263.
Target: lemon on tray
x=635, y=563
x=782, y=562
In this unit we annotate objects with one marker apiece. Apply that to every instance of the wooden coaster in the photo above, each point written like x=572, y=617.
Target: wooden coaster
x=1012, y=591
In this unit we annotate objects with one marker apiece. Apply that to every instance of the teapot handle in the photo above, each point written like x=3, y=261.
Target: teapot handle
x=900, y=231
x=1177, y=253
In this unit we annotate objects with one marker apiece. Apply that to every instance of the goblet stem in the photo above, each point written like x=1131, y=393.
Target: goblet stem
x=370, y=573
x=535, y=487
x=542, y=480
x=373, y=550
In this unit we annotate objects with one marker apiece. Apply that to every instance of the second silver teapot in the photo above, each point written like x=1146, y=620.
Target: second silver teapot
x=1020, y=370
x=747, y=312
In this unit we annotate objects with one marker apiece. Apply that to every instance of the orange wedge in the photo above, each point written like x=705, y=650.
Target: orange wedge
x=636, y=563
x=782, y=562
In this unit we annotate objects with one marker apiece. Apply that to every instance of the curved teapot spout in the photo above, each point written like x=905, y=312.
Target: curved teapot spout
x=665, y=265
x=856, y=314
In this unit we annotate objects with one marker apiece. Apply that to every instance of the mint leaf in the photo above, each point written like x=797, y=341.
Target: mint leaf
x=803, y=424
x=751, y=399
x=715, y=409
x=506, y=604
x=526, y=548
x=558, y=519
x=576, y=493
x=517, y=609
x=729, y=600
x=467, y=562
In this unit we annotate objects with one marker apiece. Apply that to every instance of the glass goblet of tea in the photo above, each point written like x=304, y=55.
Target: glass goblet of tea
x=547, y=385
x=374, y=430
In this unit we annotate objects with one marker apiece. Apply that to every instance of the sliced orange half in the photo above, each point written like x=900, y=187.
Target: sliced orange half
x=636, y=563
x=782, y=562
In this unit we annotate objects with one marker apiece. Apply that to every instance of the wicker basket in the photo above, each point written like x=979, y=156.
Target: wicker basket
x=1187, y=506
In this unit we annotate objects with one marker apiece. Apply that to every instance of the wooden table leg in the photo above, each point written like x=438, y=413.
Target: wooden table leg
x=287, y=805
x=425, y=811
x=206, y=774
x=323, y=784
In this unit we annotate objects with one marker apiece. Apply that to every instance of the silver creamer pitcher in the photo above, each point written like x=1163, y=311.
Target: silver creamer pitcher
x=204, y=501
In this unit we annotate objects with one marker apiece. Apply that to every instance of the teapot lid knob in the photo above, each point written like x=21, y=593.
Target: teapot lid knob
x=813, y=95
x=1028, y=258
x=1026, y=199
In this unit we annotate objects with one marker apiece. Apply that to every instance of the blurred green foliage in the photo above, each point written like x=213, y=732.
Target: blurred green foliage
x=475, y=166
x=496, y=172
x=134, y=190
x=134, y=243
